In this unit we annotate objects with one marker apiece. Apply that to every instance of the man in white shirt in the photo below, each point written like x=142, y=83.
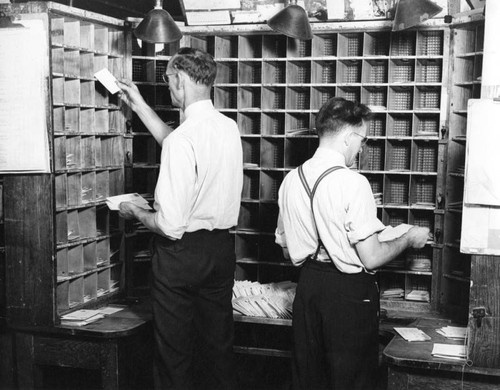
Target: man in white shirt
x=328, y=223
x=197, y=199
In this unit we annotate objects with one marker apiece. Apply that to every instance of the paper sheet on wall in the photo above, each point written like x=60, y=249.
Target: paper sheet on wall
x=480, y=230
x=211, y=4
x=490, y=76
x=481, y=211
x=336, y=9
x=482, y=177
x=23, y=70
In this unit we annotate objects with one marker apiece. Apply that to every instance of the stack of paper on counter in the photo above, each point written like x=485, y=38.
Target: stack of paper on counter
x=418, y=295
x=449, y=351
x=413, y=334
x=393, y=293
x=113, y=202
x=420, y=264
x=272, y=300
x=453, y=332
x=81, y=317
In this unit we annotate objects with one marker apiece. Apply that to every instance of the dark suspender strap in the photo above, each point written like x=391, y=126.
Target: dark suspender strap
x=311, y=198
x=304, y=182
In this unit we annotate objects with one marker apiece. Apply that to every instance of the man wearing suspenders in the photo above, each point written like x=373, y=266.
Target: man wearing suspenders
x=328, y=224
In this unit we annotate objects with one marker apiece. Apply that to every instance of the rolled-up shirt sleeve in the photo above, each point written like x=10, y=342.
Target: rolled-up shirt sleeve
x=279, y=234
x=362, y=221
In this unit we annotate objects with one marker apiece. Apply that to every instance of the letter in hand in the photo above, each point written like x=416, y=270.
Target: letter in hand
x=130, y=94
x=417, y=236
x=127, y=210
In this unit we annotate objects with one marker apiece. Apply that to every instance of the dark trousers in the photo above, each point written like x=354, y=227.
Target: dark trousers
x=192, y=288
x=335, y=328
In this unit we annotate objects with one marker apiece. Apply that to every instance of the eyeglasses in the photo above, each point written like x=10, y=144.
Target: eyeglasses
x=364, y=138
x=165, y=76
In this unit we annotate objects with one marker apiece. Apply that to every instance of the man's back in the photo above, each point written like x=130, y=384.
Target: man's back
x=343, y=206
x=202, y=171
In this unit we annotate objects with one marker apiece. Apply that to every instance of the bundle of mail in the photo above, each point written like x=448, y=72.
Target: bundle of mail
x=272, y=300
x=418, y=295
x=453, y=332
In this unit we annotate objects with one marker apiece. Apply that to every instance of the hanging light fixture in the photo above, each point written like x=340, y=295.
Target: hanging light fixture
x=410, y=13
x=292, y=21
x=158, y=26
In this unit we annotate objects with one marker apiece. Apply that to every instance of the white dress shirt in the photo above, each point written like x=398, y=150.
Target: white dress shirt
x=201, y=173
x=344, y=208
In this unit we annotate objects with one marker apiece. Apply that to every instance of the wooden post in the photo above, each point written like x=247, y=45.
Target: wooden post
x=484, y=340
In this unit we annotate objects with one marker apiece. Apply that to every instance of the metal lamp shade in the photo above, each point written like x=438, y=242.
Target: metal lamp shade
x=158, y=27
x=292, y=21
x=409, y=13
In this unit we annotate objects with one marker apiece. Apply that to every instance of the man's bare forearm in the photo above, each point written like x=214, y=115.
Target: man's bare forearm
x=374, y=254
x=158, y=129
x=147, y=218
x=385, y=252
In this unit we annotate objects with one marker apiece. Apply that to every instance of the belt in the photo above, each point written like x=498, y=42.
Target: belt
x=327, y=260
x=326, y=265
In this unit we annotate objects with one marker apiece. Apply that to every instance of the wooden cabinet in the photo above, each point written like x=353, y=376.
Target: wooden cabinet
x=64, y=249
x=149, y=64
x=466, y=58
x=273, y=86
x=67, y=245
x=72, y=252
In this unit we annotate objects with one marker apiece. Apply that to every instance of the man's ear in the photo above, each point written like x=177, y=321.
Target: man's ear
x=347, y=139
x=181, y=79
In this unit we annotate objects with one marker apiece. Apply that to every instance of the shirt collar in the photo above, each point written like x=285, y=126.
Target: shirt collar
x=330, y=156
x=198, y=106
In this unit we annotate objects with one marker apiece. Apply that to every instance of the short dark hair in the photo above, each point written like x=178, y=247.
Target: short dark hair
x=337, y=113
x=199, y=65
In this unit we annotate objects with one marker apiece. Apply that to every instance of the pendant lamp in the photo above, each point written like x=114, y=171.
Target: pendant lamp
x=158, y=26
x=292, y=21
x=410, y=13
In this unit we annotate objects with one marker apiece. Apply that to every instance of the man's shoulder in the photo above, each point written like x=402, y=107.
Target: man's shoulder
x=350, y=175
x=207, y=117
x=230, y=122
x=346, y=176
x=178, y=136
x=291, y=177
x=195, y=130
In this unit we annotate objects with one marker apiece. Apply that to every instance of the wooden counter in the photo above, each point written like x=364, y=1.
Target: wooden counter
x=112, y=353
x=411, y=365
